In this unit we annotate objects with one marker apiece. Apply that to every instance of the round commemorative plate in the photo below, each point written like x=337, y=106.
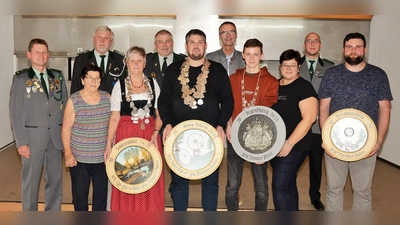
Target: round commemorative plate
x=134, y=165
x=258, y=134
x=193, y=149
x=349, y=134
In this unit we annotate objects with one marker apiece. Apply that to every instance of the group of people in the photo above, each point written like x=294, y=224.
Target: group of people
x=114, y=97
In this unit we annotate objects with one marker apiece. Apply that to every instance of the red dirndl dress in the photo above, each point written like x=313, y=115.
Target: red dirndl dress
x=152, y=199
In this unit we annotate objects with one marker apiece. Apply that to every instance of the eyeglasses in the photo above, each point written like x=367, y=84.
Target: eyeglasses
x=289, y=66
x=93, y=79
x=310, y=41
x=226, y=32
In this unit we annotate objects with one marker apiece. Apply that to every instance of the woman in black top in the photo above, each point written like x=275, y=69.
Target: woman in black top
x=298, y=106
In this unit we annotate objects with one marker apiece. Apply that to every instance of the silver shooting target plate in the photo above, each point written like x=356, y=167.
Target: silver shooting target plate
x=258, y=134
x=349, y=134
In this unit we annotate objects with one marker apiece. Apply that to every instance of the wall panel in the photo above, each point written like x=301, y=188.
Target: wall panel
x=66, y=34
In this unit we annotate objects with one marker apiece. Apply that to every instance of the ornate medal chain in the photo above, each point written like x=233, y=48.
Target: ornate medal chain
x=142, y=113
x=199, y=89
x=246, y=104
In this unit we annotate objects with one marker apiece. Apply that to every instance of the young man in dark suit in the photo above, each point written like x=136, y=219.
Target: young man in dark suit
x=313, y=68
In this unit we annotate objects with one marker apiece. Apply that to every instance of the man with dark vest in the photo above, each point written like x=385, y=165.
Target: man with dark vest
x=157, y=62
x=110, y=62
x=313, y=68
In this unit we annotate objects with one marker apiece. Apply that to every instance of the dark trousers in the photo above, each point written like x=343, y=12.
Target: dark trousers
x=284, y=187
x=179, y=189
x=315, y=163
x=80, y=177
x=235, y=172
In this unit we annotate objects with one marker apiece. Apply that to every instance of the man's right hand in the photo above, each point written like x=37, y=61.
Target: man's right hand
x=228, y=132
x=327, y=152
x=24, y=151
x=166, y=132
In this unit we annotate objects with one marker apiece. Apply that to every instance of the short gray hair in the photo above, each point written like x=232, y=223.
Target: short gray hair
x=104, y=28
x=162, y=32
x=136, y=49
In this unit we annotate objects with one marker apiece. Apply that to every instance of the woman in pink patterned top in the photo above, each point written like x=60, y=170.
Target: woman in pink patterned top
x=84, y=135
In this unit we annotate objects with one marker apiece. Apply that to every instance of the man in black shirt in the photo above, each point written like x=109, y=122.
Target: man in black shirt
x=211, y=102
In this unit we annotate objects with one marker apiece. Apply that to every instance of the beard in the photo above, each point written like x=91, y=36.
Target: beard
x=197, y=56
x=354, y=61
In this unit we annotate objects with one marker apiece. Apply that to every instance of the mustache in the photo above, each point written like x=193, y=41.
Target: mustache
x=354, y=60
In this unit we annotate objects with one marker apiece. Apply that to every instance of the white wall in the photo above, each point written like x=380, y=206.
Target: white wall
x=383, y=44
x=384, y=49
x=7, y=70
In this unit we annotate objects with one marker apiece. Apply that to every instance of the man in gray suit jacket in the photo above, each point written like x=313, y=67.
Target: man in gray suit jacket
x=164, y=45
x=313, y=68
x=228, y=56
x=113, y=63
x=37, y=99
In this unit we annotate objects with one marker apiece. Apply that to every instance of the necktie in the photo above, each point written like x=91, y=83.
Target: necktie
x=44, y=86
x=164, y=66
x=311, y=69
x=102, y=65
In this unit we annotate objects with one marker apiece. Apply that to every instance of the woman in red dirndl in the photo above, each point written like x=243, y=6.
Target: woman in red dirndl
x=134, y=114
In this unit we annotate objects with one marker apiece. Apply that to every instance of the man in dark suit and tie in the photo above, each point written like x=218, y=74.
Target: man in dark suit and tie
x=313, y=68
x=110, y=62
x=37, y=100
x=157, y=62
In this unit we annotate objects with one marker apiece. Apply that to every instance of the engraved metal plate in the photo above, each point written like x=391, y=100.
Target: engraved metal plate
x=258, y=134
x=134, y=165
x=349, y=134
x=193, y=150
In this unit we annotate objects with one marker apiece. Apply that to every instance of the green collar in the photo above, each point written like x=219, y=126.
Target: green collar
x=31, y=73
x=320, y=61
